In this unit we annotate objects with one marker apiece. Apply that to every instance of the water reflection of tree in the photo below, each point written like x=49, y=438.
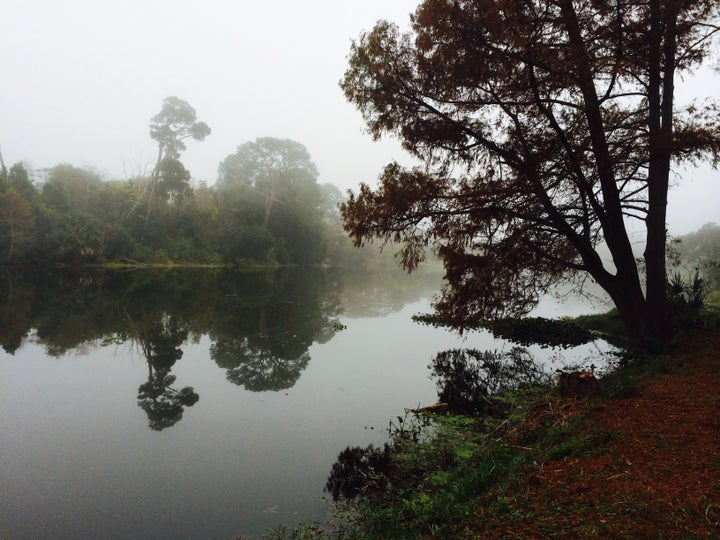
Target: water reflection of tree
x=261, y=324
x=468, y=381
x=467, y=378
x=256, y=367
x=69, y=310
x=264, y=338
x=163, y=404
x=160, y=339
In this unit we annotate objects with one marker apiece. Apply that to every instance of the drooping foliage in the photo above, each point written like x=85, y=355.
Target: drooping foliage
x=544, y=128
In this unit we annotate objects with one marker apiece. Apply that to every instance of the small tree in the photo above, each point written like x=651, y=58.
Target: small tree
x=545, y=127
x=174, y=181
x=70, y=188
x=19, y=180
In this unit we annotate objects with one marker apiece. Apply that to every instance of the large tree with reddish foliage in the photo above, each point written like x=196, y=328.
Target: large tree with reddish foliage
x=544, y=127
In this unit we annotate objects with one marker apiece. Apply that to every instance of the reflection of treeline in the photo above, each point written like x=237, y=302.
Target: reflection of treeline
x=68, y=310
x=261, y=324
x=286, y=309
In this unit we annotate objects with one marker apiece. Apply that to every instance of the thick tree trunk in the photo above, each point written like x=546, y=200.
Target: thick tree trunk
x=645, y=328
x=644, y=332
x=645, y=316
x=660, y=132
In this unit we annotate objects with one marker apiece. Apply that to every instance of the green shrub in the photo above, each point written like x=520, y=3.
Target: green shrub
x=687, y=298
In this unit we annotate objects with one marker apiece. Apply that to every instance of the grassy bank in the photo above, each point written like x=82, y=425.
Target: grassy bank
x=542, y=465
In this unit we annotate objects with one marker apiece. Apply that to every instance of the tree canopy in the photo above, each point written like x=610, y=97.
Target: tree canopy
x=269, y=211
x=544, y=127
x=175, y=123
x=275, y=181
x=277, y=169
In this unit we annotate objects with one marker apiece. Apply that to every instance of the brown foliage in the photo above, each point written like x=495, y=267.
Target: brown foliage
x=543, y=126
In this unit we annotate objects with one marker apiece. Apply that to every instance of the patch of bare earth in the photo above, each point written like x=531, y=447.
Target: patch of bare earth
x=658, y=477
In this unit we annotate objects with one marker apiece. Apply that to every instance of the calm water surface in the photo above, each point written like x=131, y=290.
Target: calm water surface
x=203, y=404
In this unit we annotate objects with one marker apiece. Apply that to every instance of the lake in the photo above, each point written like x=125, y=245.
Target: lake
x=202, y=403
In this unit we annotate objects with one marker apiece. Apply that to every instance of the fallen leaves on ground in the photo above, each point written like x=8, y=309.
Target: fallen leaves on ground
x=658, y=477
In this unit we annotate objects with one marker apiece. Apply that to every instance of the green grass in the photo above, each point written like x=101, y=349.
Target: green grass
x=435, y=482
x=435, y=479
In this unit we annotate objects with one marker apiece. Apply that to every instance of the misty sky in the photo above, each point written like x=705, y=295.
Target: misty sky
x=82, y=78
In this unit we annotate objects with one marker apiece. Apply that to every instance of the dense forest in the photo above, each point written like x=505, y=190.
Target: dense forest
x=266, y=208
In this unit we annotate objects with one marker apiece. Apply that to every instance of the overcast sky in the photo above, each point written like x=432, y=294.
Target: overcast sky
x=82, y=78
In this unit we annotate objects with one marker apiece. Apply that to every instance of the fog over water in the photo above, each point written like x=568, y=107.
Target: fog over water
x=81, y=80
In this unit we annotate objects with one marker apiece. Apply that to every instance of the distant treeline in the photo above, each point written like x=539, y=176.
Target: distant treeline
x=258, y=216
x=266, y=208
x=701, y=249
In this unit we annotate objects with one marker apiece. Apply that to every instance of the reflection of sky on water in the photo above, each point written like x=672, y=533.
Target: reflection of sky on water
x=78, y=459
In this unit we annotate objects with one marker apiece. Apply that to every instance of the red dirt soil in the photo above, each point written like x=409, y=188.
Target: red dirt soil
x=658, y=477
